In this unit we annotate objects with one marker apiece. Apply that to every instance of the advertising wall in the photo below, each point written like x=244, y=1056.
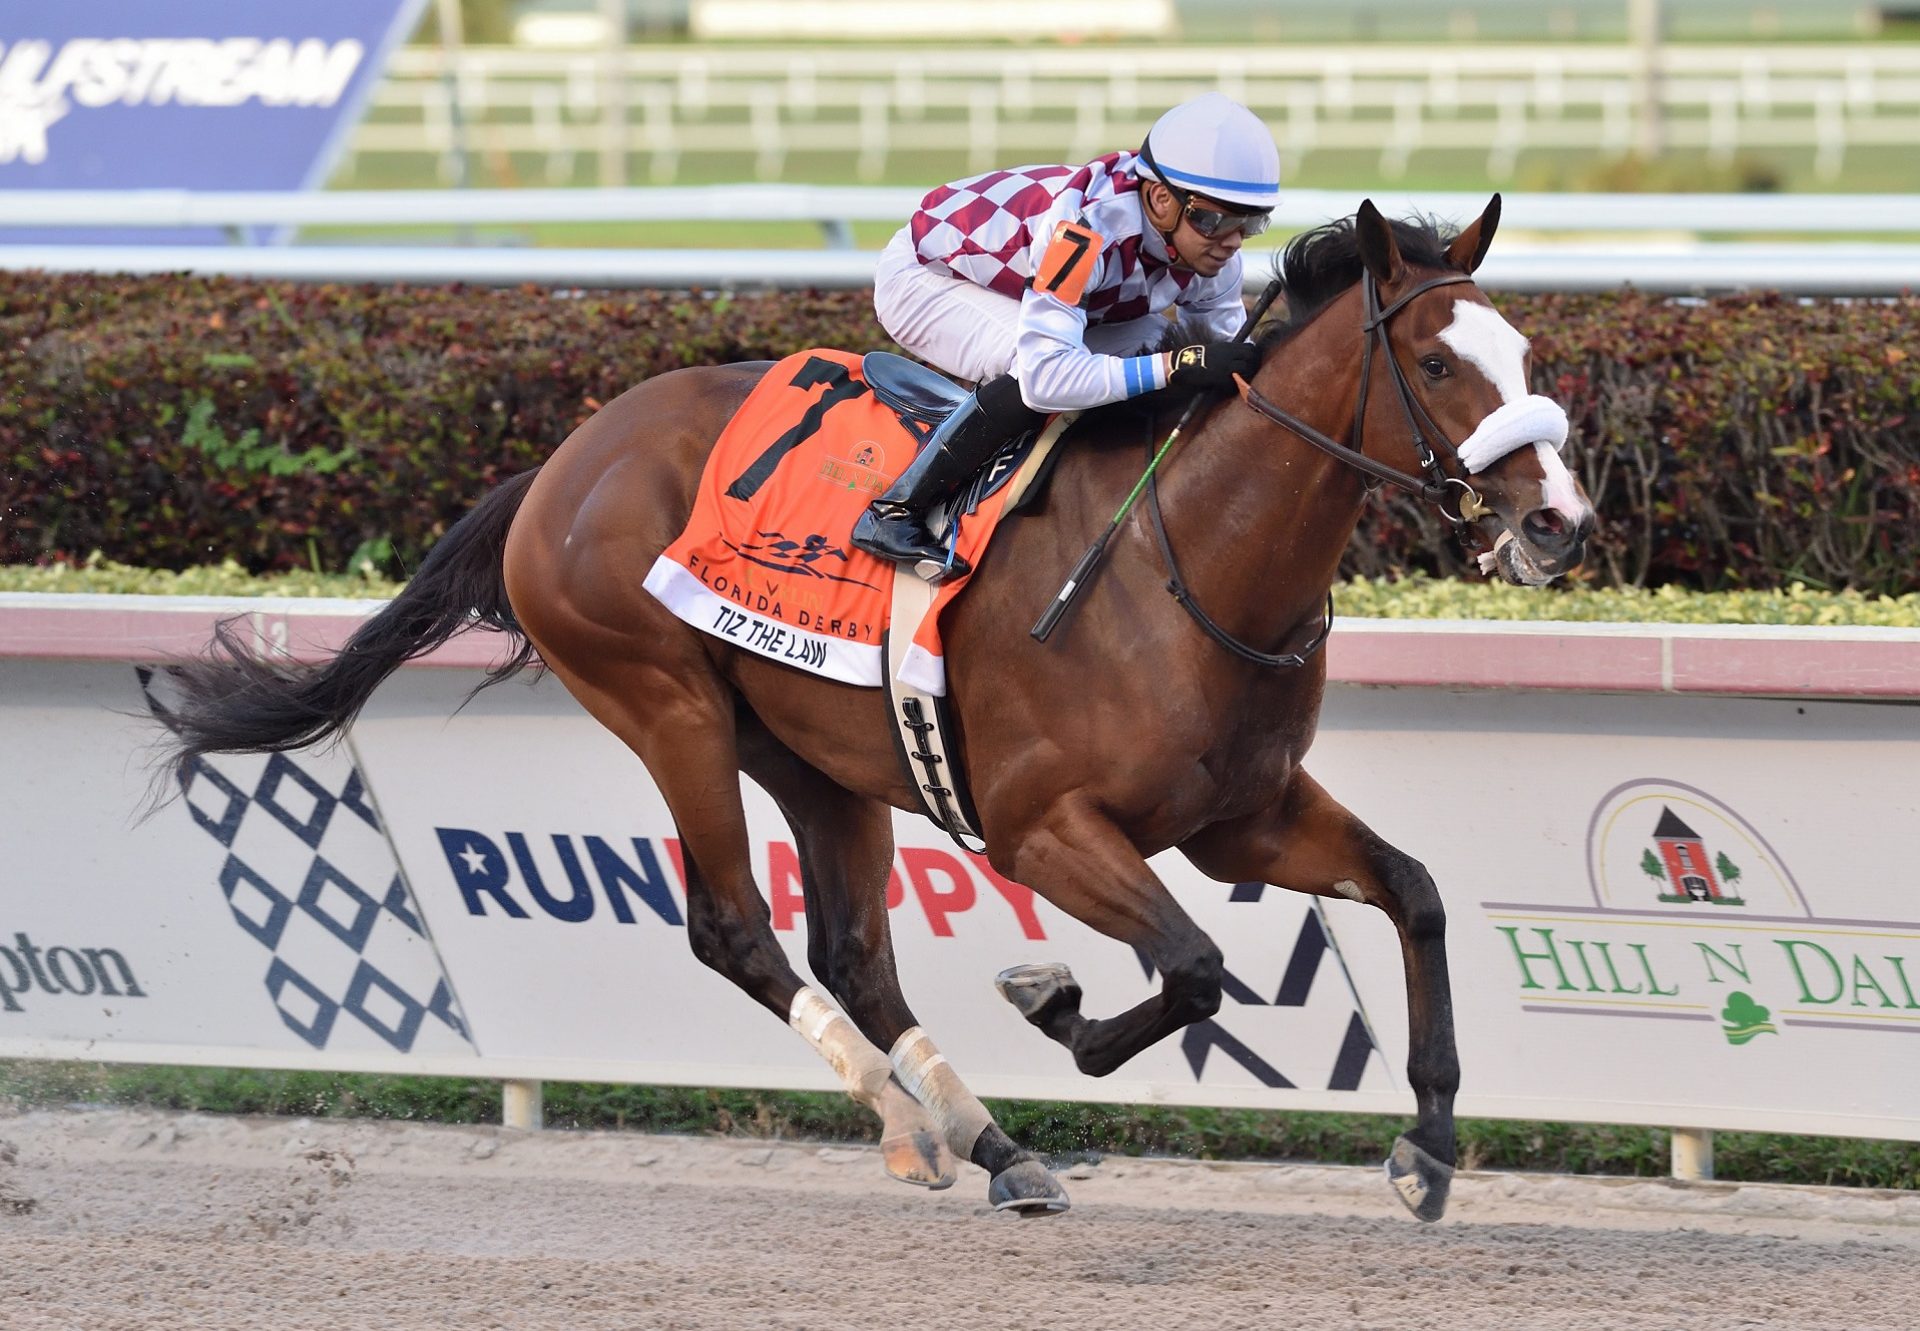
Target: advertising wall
x=1672, y=908
x=263, y=917
x=1692, y=910
x=189, y=94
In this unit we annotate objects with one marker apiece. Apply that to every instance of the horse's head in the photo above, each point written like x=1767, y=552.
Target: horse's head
x=1462, y=374
x=1442, y=406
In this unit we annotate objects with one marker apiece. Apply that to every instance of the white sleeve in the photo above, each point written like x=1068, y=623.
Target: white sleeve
x=1050, y=356
x=1058, y=373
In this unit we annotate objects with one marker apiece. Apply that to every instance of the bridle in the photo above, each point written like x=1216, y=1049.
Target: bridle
x=1436, y=488
x=1438, y=485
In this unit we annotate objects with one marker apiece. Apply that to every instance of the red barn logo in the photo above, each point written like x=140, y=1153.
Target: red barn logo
x=1683, y=868
x=1662, y=845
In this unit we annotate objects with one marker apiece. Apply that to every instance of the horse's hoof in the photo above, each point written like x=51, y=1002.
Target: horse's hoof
x=1422, y=1181
x=1039, y=991
x=919, y=1158
x=1028, y=1189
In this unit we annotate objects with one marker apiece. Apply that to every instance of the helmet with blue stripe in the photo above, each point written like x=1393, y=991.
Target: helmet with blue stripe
x=1215, y=147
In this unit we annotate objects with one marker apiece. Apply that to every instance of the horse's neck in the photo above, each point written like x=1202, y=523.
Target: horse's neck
x=1258, y=517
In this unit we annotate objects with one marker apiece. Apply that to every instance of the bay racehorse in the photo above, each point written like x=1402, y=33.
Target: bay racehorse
x=1150, y=721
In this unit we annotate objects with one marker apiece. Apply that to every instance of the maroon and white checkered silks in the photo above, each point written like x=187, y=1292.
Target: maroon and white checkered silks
x=983, y=228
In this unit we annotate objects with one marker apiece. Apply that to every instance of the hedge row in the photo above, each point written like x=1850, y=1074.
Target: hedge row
x=1751, y=441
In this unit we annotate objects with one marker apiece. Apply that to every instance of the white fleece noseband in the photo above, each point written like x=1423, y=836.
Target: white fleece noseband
x=1513, y=425
x=1479, y=336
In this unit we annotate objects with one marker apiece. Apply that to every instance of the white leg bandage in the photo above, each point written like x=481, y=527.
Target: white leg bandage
x=925, y=1072
x=862, y=1067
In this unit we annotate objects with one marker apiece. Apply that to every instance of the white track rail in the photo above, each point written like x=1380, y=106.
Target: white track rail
x=1575, y=214
x=1682, y=269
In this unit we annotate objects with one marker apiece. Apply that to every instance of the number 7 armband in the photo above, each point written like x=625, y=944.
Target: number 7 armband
x=1068, y=262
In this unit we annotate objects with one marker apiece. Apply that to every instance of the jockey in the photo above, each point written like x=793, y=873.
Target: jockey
x=1044, y=284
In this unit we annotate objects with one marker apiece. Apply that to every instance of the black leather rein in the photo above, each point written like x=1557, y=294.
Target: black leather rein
x=1435, y=489
x=1438, y=484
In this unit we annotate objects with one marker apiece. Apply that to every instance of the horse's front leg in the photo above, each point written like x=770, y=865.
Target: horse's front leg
x=1075, y=857
x=1307, y=842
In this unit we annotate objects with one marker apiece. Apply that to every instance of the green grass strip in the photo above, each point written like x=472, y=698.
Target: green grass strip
x=104, y=577
x=1062, y=1131
x=1407, y=598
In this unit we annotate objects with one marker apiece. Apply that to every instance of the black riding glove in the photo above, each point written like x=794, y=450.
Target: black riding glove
x=1213, y=364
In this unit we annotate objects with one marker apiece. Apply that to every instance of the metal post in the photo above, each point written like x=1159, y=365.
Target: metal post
x=613, y=96
x=523, y=1105
x=452, y=38
x=1643, y=30
x=1693, y=1154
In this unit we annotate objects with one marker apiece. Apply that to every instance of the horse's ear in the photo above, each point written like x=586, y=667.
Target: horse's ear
x=1379, y=251
x=1470, y=246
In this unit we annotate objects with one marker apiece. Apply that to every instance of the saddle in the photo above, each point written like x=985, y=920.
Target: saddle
x=924, y=398
x=915, y=392
x=765, y=562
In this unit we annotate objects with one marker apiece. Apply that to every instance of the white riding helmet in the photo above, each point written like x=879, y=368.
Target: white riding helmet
x=1214, y=146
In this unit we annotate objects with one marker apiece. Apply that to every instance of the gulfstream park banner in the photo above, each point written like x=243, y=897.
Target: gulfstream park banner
x=184, y=94
x=1678, y=909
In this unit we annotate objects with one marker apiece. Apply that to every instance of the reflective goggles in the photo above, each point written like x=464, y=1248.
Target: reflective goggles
x=1218, y=223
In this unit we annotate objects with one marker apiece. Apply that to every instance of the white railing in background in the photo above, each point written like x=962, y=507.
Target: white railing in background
x=977, y=20
x=1549, y=241
x=653, y=108
x=1680, y=269
x=834, y=208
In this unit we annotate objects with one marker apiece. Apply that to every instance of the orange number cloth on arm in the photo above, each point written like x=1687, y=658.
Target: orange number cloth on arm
x=1067, y=263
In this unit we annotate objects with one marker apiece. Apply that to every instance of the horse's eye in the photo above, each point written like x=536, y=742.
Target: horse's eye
x=1434, y=367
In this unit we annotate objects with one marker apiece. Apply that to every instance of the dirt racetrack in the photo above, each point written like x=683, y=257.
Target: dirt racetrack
x=132, y=1219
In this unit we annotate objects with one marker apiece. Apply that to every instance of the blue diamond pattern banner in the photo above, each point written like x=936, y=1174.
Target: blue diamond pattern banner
x=309, y=876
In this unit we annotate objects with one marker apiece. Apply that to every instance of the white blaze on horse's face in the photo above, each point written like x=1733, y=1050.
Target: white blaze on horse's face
x=1496, y=348
x=1480, y=337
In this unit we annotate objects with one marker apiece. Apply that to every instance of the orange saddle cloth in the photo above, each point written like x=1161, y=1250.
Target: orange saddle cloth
x=765, y=561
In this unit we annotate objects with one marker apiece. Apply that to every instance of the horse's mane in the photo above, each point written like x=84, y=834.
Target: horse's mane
x=1318, y=265
x=1315, y=267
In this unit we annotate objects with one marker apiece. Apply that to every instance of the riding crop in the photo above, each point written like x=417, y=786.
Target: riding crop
x=1083, y=571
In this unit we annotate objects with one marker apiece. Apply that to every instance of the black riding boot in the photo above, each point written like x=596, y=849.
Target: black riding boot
x=894, y=525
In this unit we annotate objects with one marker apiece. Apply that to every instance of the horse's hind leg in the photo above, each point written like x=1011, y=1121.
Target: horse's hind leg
x=845, y=842
x=681, y=724
x=845, y=845
x=1308, y=842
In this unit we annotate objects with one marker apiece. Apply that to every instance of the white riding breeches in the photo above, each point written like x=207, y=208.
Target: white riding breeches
x=969, y=330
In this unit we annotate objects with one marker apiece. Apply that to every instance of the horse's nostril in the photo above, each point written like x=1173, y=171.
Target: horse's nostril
x=1545, y=525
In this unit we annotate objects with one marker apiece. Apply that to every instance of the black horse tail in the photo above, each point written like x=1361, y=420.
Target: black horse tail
x=231, y=701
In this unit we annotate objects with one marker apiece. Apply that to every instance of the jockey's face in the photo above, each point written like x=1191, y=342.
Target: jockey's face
x=1173, y=216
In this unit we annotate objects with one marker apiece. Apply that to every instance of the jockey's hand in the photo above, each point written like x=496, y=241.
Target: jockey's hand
x=1213, y=364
